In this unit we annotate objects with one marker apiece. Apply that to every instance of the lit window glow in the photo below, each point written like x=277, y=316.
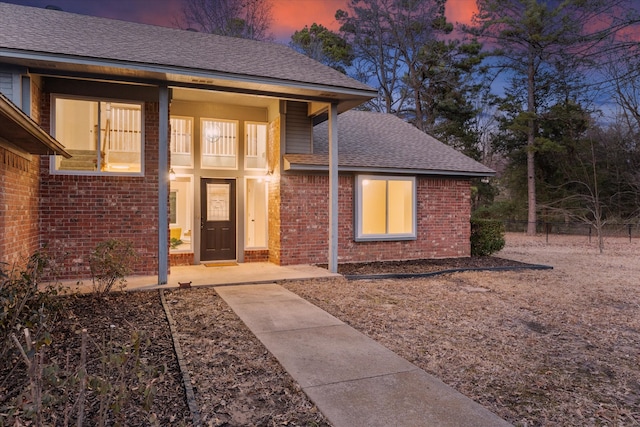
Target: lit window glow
x=385, y=208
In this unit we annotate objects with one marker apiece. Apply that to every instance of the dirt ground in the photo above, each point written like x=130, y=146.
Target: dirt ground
x=554, y=347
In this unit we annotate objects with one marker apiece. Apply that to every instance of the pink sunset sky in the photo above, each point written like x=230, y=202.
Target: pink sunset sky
x=288, y=15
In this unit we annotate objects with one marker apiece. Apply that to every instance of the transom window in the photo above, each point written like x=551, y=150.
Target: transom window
x=255, y=152
x=181, y=141
x=103, y=137
x=219, y=144
x=385, y=208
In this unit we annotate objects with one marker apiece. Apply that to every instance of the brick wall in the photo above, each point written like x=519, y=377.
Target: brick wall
x=78, y=212
x=18, y=207
x=443, y=212
x=178, y=259
x=257, y=255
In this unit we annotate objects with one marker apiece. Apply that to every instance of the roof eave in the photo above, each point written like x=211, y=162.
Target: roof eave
x=24, y=133
x=185, y=75
x=301, y=167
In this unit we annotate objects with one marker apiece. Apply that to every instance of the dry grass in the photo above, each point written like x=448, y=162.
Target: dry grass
x=553, y=347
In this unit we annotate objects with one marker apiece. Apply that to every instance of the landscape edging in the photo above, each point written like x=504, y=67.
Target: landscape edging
x=182, y=365
x=438, y=273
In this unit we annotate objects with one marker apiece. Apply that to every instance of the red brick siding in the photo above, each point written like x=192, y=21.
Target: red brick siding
x=256, y=255
x=78, y=212
x=18, y=208
x=443, y=222
x=181, y=259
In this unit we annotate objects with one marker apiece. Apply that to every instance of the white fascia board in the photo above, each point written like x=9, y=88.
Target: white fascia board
x=206, y=77
x=361, y=169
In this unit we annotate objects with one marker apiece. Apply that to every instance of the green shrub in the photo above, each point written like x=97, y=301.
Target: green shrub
x=110, y=262
x=174, y=243
x=487, y=236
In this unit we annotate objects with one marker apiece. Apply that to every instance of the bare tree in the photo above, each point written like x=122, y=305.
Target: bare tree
x=391, y=40
x=248, y=19
x=584, y=203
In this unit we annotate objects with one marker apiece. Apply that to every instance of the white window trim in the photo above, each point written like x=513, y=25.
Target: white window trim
x=237, y=147
x=52, y=159
x=359, y=236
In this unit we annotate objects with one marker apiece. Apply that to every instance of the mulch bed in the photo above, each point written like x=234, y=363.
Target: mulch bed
x=129, y=350
x=424, y=266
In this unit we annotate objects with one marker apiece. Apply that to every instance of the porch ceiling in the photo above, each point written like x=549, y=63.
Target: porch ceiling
x=191, y=95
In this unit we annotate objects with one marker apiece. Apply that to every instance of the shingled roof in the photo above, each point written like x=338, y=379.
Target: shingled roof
x=35, y=33
x=378, y=142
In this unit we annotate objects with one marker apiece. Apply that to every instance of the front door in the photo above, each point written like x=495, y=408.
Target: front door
x=218, y=220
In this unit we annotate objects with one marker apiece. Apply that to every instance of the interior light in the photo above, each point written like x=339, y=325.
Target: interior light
x=121, y=167
x=213, y=132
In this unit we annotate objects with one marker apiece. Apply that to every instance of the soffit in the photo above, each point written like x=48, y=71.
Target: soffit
x=18, y=129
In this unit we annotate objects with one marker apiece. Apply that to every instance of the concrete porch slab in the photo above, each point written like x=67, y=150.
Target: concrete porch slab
x=199, y=275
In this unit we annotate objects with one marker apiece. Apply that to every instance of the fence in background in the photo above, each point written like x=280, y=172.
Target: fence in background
x=629, y=230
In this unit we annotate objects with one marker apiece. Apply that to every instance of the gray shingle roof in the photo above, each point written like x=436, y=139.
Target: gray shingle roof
x=381, y=142
x=77, y=36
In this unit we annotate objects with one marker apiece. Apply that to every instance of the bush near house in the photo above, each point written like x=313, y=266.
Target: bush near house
x=110, y=262
x=487, y=236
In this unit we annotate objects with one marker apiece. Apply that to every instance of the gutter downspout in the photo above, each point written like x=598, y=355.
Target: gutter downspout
x=333, y=188
x=163, y=185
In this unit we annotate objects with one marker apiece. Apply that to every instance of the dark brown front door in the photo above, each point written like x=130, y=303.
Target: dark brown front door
x=218, y=220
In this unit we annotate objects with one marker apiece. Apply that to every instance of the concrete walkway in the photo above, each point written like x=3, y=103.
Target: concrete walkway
x=352, y=379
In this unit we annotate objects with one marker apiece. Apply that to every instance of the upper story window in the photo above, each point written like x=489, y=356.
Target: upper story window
x=219, y=144
x=181, y=141
x=255, y=150
x=385, y=208
x=103, y=137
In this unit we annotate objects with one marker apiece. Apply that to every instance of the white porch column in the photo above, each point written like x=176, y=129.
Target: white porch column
x=333, y=188
x=163, y=185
